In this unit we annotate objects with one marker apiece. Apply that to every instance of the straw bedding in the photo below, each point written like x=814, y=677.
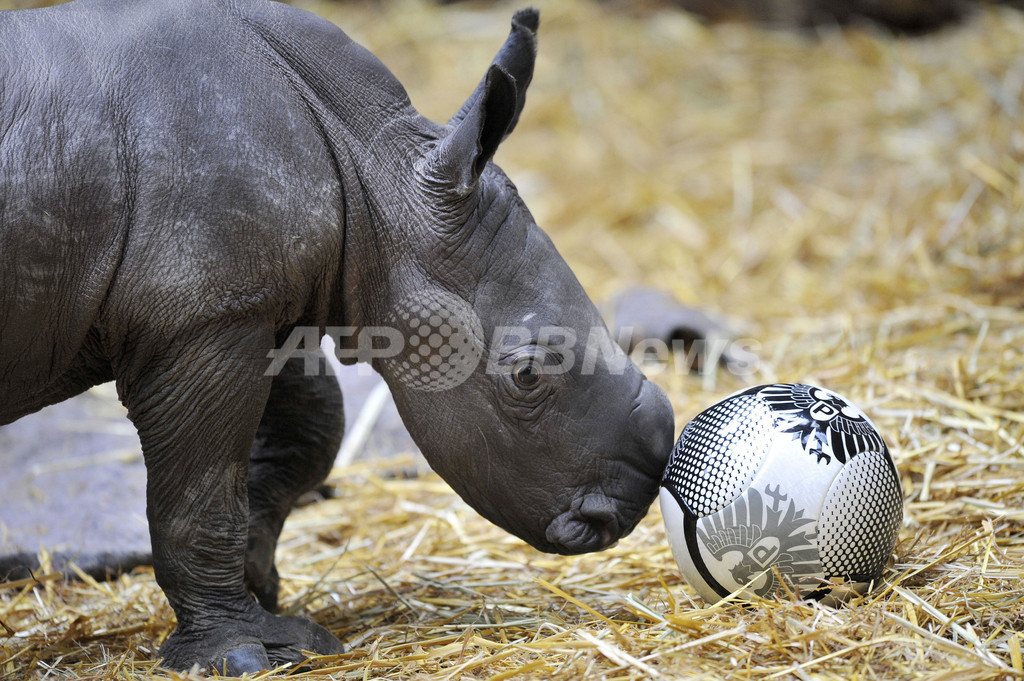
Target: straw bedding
x=851, y=202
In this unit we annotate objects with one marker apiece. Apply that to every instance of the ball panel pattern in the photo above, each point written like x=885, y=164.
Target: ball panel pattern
x=719, y=453
x=860, y=518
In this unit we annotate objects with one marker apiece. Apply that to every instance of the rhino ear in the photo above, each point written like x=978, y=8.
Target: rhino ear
x=462, y=156
x=491, y=112
x=517, y=57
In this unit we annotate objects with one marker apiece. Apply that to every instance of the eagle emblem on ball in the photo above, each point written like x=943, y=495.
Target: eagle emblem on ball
x=826, y=424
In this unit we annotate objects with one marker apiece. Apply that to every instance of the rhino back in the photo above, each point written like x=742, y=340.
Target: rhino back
x=159, y=167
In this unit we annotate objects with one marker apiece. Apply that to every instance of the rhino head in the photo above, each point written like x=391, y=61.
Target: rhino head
x=507, y=378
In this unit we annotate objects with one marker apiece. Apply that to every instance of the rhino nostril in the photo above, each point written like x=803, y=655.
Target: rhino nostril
x=599, y=512
x=652, y=424
x=608, y=537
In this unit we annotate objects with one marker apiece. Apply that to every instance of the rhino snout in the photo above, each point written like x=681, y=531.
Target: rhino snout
x=595, y=521
x=652, y=425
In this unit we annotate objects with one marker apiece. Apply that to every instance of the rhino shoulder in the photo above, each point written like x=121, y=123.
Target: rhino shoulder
x=339, y=71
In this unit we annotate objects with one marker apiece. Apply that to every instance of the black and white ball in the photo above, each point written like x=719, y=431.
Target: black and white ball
x=781, y=489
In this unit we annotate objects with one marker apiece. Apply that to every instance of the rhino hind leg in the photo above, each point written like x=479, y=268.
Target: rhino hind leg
x=197, y=420
x=295, y=446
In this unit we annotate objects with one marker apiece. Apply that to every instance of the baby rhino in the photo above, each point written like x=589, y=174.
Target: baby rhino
x=194, y=192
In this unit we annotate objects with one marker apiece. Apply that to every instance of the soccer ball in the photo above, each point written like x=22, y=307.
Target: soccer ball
x=783, y=490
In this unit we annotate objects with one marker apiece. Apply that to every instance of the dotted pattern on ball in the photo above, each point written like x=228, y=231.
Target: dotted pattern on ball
x=860, y=518
x=719, y=452
x=441, y=346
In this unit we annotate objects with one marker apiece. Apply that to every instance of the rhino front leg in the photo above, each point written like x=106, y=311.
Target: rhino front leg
x=295, y=447
x=197, y=405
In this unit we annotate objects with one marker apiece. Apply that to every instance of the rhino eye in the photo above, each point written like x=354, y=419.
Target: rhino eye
x=526, y=373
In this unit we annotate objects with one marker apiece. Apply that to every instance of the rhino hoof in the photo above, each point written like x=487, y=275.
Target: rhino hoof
x=251, y=657
x=267, y=643
x=288, y=637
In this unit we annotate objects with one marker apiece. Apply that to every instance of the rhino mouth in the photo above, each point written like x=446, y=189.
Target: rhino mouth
x=592, y=523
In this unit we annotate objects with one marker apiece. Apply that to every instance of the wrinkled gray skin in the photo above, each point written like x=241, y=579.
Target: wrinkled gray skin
x=184, y=182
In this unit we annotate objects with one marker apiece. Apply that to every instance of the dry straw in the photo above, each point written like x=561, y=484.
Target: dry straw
x=852, y=201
